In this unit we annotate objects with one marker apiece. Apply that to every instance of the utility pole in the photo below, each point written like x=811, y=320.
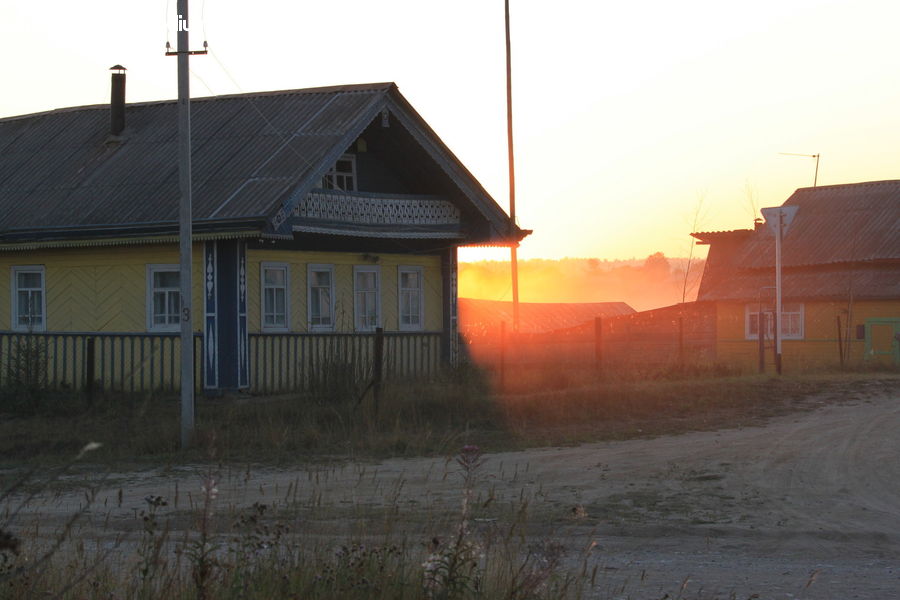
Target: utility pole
x=778, y=316
x=184, y=220
x=513, y=249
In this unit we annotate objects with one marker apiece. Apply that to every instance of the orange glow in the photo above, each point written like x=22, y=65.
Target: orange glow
x=643, y=284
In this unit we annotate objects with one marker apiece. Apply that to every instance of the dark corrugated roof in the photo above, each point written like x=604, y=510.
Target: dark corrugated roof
x=61, y=168
x=251, y=155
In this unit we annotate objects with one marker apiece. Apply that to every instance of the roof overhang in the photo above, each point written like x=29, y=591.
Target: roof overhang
x=704, y=238
x=161, y=233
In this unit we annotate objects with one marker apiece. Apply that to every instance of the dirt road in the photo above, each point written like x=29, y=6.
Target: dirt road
x=805, y=506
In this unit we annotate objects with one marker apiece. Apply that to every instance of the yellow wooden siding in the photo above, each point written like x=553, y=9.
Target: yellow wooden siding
x=98, y=289
x=819, y=346
x=5, y=292
x=343, y=277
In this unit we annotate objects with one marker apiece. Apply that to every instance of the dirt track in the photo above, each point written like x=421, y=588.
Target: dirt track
x=807, y=506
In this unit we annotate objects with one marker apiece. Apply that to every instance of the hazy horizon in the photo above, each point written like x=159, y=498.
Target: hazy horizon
x=652, y=282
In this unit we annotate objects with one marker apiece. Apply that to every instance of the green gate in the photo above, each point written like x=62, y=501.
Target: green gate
x=883, y=341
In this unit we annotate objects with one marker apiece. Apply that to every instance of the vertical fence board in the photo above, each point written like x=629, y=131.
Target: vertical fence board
x=145, y=362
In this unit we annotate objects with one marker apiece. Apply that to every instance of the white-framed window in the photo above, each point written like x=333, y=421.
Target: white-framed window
x=410, y=291
x=29, y=299
x=320, y=283
x=366, y=297
x=791, y=320
x=275, y=283
x=163, y=298
x=342, y=176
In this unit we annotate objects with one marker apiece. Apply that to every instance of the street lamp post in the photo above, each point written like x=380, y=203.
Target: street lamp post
x=778, y=219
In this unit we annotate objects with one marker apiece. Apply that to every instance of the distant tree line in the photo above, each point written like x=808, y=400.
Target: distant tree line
x=643, y=283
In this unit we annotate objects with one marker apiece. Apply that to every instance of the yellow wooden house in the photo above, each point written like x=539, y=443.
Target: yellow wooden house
x=319, y=215
x=841, y=282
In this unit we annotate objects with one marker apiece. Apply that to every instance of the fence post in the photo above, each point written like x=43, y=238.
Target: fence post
x=378, y=357
x=89, y=369
x=598, y=344
x=502, y=356
x=840, y=340
x=761, y=326
x=681, y=343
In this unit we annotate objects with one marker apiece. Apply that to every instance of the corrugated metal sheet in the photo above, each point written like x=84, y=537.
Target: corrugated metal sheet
x=834, y=224
x=843, y=239
x=58, y=169
x=61, y=171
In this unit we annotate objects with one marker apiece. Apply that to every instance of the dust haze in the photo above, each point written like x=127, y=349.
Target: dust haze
x=644, y=284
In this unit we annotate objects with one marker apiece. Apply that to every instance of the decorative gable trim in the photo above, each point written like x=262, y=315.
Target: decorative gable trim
x=278, y=223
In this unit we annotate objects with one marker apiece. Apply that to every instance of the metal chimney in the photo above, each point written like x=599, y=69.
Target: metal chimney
x=117, y=100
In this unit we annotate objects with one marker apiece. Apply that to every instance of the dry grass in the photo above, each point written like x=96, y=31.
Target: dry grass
x=279, y=550
x=295, y=549
x=414, y=418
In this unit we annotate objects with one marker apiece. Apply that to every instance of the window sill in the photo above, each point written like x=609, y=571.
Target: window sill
x=164, y=330
x=275, y=329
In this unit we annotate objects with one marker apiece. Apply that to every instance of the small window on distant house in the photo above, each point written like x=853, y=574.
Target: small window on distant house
x=29, y=301
x=164, y=298
x=366, y=301
x=320, y=282
x=274, y=278
x=342, y=176
x=791, y=321
x=412, y=298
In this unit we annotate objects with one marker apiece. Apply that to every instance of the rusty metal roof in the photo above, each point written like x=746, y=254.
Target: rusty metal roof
x=62, y=174
x=868, y=281
x=843, y=237
x=834, y=224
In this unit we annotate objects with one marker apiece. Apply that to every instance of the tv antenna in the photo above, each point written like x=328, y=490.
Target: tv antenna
x=815, y=156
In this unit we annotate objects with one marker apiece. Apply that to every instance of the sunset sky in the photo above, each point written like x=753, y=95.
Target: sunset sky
x=627, y=114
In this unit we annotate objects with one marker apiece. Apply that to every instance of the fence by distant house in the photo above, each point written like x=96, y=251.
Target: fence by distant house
x=682, y=335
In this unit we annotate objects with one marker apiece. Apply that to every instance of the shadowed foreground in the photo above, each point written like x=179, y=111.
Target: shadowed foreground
x=804, y=506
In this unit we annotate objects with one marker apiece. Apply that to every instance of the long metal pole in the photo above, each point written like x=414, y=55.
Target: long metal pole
x=184, y=225
x=513, y=250
x=778, y=235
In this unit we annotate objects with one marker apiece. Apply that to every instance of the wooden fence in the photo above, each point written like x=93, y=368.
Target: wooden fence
x=151, y=363
x=122, y=362
x=283, y=362
x=677, y=336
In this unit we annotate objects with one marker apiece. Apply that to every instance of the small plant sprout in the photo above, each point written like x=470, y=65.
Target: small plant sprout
x=89, y=447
